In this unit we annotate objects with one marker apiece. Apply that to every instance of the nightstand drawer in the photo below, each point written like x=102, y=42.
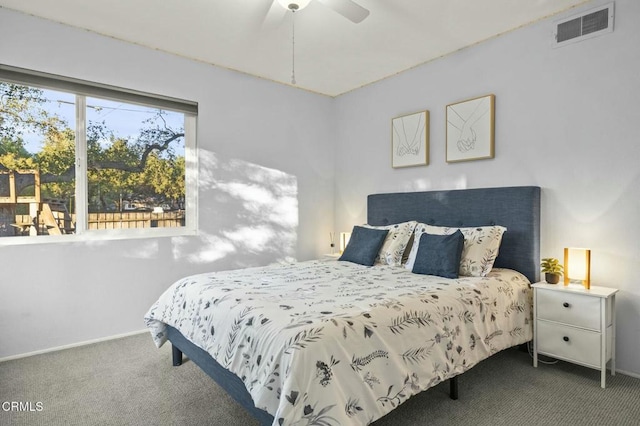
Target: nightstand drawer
x=573, y=309
x=572, y=344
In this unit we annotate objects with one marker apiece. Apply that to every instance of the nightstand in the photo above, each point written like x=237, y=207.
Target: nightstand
x=574, y=324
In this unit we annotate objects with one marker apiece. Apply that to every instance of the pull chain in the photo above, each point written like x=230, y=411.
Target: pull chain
x=293, y=45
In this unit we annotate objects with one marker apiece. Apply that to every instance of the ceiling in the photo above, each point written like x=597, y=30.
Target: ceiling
x=332, y=54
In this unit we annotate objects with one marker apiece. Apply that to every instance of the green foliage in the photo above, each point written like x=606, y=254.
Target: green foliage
x=15, y=147
x=56, y=157
x=12, y=161
x=20, y=109
x=164, y=176
x=551, y=265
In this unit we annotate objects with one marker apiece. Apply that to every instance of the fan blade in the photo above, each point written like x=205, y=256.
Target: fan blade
x=347, y=8
x=275, y=15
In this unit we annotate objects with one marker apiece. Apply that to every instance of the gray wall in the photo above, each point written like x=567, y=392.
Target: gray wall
x=266, y=190
x=566, y=120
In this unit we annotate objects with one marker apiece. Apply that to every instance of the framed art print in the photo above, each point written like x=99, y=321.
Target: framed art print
x=471, y=129
x=410, y=140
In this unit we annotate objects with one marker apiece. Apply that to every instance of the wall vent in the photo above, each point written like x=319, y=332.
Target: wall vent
x=591, y=23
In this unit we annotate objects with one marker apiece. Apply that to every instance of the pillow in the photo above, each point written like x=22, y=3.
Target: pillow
x=439, y=255
x=395, y=243
x=364, y=245
x=405, y=255
x=480, y=250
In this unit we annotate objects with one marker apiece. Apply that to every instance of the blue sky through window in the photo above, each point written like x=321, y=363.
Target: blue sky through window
x=123, y=119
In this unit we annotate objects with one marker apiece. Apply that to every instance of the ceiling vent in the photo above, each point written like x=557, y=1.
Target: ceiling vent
x=588, y=24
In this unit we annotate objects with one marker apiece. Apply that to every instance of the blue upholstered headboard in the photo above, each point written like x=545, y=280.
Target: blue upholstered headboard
x=516, y=208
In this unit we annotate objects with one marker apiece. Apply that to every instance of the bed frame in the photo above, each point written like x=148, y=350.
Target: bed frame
x=516, y=208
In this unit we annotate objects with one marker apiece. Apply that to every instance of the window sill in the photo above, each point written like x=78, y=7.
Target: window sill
x=98, y=235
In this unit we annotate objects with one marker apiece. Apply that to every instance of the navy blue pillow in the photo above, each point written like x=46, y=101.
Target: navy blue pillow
x=439, y=255
x=364, y=245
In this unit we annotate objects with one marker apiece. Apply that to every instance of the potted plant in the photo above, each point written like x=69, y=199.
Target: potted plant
x=552, y=270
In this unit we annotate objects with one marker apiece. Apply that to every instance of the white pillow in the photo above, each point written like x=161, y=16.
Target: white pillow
x=395, y=243
x=480, y=250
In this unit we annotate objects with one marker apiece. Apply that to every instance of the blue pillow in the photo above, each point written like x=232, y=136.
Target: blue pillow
x=439, y=255
x=364, y=245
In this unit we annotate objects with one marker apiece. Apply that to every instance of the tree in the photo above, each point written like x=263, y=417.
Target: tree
x=14, y=147
x=165, y=177
x=144, y=167
x=21, y=108
x=54, y=160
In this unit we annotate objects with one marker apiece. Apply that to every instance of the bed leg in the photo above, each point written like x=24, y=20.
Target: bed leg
x=177, y=356
x=453, y=387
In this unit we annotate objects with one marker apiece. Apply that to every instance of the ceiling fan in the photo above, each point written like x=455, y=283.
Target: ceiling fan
x=279, y=8
x=347, y=8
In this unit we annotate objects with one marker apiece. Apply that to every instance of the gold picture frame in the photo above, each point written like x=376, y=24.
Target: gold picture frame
x=471, y=129
x=410, y=140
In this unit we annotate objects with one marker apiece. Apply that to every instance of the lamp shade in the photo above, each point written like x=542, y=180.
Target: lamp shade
x=577, y=266
x=344, y=240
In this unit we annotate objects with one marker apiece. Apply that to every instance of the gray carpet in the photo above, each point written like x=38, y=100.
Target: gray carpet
x=130, y=382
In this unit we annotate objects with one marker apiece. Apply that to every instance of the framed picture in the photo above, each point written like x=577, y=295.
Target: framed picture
x=471, y=129
x=410, y=140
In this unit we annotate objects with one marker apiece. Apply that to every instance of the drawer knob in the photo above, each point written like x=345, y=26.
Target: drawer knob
x=565, y=338
x=566, y=304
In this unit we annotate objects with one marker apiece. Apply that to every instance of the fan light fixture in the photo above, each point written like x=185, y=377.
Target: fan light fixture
x=294, y=5
x=347, y=8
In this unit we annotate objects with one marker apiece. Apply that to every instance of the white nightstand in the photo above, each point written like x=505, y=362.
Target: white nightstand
x=575, y=324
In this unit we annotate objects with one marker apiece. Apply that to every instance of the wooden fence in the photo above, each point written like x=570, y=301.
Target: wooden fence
x=136, y=220
x=127, y=220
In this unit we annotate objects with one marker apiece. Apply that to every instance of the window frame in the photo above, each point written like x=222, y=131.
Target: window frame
x=83, y=89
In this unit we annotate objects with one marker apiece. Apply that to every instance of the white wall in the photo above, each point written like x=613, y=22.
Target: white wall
x=566, y=120
x=266, y=190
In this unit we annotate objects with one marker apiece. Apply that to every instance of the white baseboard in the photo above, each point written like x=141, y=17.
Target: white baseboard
x=74, y=345
x=627, y=373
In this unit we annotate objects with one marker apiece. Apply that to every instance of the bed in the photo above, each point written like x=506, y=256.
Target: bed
x=333, y=342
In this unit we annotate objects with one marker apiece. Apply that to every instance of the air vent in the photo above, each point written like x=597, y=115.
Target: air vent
x=593, y=22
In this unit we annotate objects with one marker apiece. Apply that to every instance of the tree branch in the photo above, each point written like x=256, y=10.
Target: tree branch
x=70, y=174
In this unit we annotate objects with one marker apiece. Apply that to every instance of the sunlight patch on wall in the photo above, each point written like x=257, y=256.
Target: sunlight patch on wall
x=144, y=249
x=212, y=248
x=252, y=238
x=417, y=185
x=424, y=184
x=248, y=215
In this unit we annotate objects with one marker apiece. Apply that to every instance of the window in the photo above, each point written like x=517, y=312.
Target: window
x=78, y=158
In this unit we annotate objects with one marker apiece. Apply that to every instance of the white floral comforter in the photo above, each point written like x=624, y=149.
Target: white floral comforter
x=335, y=343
